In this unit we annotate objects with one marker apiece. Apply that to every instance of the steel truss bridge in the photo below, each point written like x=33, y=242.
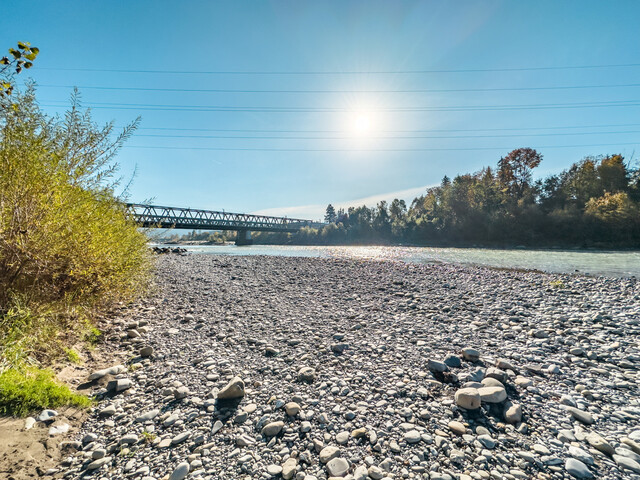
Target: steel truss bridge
x=155, y=216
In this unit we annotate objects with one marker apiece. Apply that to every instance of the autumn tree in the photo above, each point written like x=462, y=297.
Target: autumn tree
x=514, y=171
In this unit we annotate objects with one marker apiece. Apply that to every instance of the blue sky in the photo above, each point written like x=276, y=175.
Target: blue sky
x=405, y=73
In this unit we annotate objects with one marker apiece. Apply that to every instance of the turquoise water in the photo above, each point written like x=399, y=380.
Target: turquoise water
x=606, y=263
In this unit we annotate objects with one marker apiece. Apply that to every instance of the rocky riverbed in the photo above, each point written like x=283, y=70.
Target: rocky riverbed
x=271, y=367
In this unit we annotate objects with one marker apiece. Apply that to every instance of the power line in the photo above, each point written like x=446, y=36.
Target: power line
x=347, y=137
x=343, y=72
x=263, y=109
x=372, y=150
x=420, y=90
x=389, y=131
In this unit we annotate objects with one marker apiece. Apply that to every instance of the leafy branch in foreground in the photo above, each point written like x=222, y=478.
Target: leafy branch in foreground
x=18, y=59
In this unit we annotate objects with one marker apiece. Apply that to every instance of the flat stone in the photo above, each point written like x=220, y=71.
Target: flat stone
x=337, y=467
x=577, y=469
x=492, y=394
x=150, y=415
x=580, y=415
x=180, y=472
x=328, y=453
x=457, y=428
x=181, y=437
x=96, y=464
x=438, y=367
x=274, y=470
x=289, y=468
x=58, y=429
x=627, y=463
x=412, y=436
x=599, y=443
x=272, y=429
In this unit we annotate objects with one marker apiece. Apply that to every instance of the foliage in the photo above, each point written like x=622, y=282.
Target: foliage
x=27, y=390
x=21, y=57
x=67, y=246
x=595, y=202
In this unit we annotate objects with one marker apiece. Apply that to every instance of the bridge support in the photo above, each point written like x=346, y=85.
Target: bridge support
x=244, y=237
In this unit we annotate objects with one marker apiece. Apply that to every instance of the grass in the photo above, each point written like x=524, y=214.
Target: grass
x=73, y=356
x=28, y=390
x=557, y=284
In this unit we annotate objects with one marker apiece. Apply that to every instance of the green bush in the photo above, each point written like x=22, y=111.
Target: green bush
x=25, y=391
x=67, y=246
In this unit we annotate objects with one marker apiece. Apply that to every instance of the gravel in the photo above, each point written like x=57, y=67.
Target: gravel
x=302, y=368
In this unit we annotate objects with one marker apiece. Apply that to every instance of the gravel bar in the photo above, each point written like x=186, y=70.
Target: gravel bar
x=309, y=369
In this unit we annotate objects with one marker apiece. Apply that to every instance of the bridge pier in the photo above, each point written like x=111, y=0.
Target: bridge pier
x=243, y=237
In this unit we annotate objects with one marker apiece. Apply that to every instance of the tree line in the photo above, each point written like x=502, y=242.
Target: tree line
x=593, y=203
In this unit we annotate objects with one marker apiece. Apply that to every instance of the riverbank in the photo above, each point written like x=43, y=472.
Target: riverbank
x=351, y=367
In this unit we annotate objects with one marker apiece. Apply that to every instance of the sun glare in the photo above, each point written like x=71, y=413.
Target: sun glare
x=362, y=123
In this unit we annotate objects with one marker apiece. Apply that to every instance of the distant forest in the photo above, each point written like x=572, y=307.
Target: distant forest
x=594, y=203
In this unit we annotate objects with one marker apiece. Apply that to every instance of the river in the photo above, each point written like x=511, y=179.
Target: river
x=605, y=263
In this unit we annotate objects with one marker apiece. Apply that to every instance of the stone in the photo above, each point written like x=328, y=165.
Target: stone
x=470, y=354
x=497, y=374
x=412, y=436
x=577, y=469
x=46, y=416
x=580, y=454
x=292, y=409
x=289, y=468
x=599, y=443
x=452, y=361
x=328, y=453
x=492, y=394
x=119, y=385
x=150, y=415
x=181, y=437
x=337, y=467
x=580, y=415
x=342, y=438
x=146, y=352
x=96, y=464
x=468, y=398
x=107, y=411
x=512, y=412
x=181, y=392
x=180, y=472
x=274, y=470
x=626, y=463
x=233, y=389
x=457, y=428
x=58, y=429
x=437, y=367
x=272, y=429
x=339, y=348
x=29, y=422
x=306, y=374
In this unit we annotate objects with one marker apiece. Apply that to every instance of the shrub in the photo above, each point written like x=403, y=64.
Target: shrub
x=27, y=390
x=67, y=246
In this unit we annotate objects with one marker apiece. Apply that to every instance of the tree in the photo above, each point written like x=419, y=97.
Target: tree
x=330, y=214
x=21, y=57
x=514, y=170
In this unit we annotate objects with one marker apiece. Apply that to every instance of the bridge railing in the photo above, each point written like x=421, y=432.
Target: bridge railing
x=190, y=218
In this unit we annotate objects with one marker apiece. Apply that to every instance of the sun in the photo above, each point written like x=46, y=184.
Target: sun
x=361, y=123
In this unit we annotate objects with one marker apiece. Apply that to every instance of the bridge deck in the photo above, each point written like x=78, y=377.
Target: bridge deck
x=155, y=216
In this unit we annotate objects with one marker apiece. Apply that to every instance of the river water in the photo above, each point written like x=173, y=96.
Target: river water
x=606, y=263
